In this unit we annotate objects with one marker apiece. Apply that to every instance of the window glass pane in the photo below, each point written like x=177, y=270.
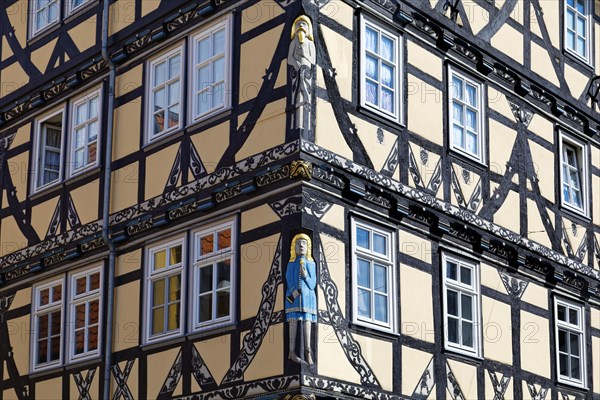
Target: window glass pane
x=206, y=308
x=42, y=351
x=471, y=95
x=562, y=312
x=467, y=334
x=81, y=113
x=387, y=100
x=472, y=144
x=80, y=285
x=95, y=281
x=466, y=306
x=364, y=273
x=219, y=42
x=223, y=274
x=222, y=303
x=79, y=344
x=160, y=259
x=218, y=95
x=581, y=6
x=387, y=75
x=158, y=293
x=452, y=298
x=92, y=131
x=43, y=324
x=79, y=159
x=94, y=311
x=203, y=49
x=379, y=244
x=457, y=113
x=158, y=320
x=371, y=66
x=224, y=239
x=574, y=344
x=53, y=136
x=451, y=270
x=174, y=93
x=387, y=49
x=571, y=3
x=160, y=73
x=581, y=31
x=53, y=12
x=372, y=93
x=94, y=105
x=44, y=297
x=174, y=65
x=362, y=238
x=79, y=316
x=563, y=363
x=371, y=40
x=452, y=330
x=380, y=278
x=56, y=293
x=174, y=288
x=575, y=368
x=570, y=19
x=55, y=324
x=159, y=122
x=577, y=199
x=364, y=303
x=173, y=316
x=581, y=46
x=457, y=88
x=93, y=338
x=173, y=116
x=472, y=120
x=54, y=348
x=465, y=275
x=206, y=244
x=175, y=255
x=219, y=69
x=381, y=308
x=573, y=316
x=206, y=280
x=562, y=341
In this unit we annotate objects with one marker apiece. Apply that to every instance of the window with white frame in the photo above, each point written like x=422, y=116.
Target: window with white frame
x=213, y=274
x=47, y=324
x=570, y=341
x=84, y=314
x=210, y=55
x=165, y=95
x=44, y=13
x=49, y=132
x=84, y=132
x=573, y=173
x=578, y=28
x=164, y=290
x=466, y=115
x=461, y=305
x=373, y=276
x=73, y=5
x=380, y=55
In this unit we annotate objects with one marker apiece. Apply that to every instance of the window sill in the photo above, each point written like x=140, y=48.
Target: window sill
x=392, y=122
x=159, y=343
x=163, y=140
x=576, y=58
x=212, y=330
x=82, y=363
x=580, y=216
x=46, y=190
x=472, y=161
x=82, y=175
x=580, y=388
x=42, y=33
x=462, y=356
x=46, y=371
x=373, y=330
x=197, y=125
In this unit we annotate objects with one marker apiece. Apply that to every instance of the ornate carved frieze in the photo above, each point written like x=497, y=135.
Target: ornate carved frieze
x=55, y=258
x=426, y=383
x=245, y=390
x=91, y=245
x=502, y=249
x=288, y=206
x=315, y=206
x=228, y=193
x=273, y=176
x=328, y=176
x=301, y=169
x=514, y=286
x=139, y=227
x=522, y=114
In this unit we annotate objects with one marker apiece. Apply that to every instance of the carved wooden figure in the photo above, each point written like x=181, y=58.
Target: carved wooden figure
x=302, y=58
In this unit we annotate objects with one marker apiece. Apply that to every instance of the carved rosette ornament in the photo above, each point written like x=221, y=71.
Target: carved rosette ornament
x=302, y=57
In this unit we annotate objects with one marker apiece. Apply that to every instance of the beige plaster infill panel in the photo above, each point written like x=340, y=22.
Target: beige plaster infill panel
x=13, y=79
x=9, y=394
x=85, y=200
x=502, y=140
x=161, y=364
x=414, y=363
x=127, y=129
x=478, y=16
x=335, y=217
x=378, y=354
x=340, y=52
x=211, y=144
x=268, y=132
x=41, y=215
x=18, y=16
x=50, y=389
x=425, y=110
x=22, y=298
x=127, y=311
x=22, y=136
x=216, y=354
x=41, y=56
x=327, y=132
x=543, y=165
x=466, y=376
x=534, y=23
x=499, y=102
x=335, y=251
x=124, y=191
x=416, y=304
x=367, y=133
x=132, y=382
x=595, y=320
x=84, y=34
x=509, y=213
x=509, y=41
x=577, y=81
x=6, y=50
x=269, y=359
x=255, y=263
x=541, y=64
x=596, y=364
x=257, y=217
x=158, y=166
x=121, y=15
x=542, y=127
x=536, y=295
x=491, y=278
x=550, y=10
x=535, y=342
x=148, y=6
x=497, y=330
x=20, y=334
x=425, y=60
x=330, y=349
x=19, y=169
x=535, y=227
x=12, y=238
x=129, y=262
x=415, y=246
x=259, y=13
x=129, y=81
x=260, y=50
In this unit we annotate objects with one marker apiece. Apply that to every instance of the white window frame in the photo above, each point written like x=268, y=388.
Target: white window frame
x=396, y=115
x=373, y=256
x=169, y=271
x=479, y=157
x=588, y=29
x=86, y=98
x=582, y=161
x=164, y=57
x=37, y=310
x=34, y=29
x=473, y=290
x=222, y=23
x=83, y=298
x=213, y=258
x=571, y=328
x=39, y=152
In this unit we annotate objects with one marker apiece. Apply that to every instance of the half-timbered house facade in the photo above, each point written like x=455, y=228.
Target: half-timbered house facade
x=170, y=171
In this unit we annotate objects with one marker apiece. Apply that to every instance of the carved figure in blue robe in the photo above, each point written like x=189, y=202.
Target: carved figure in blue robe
x=300, y=296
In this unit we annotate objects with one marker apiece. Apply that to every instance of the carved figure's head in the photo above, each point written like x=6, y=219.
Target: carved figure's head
x=301, y=246
x=302, y=28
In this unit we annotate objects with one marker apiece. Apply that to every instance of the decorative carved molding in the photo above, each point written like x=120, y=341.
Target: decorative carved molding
x=288, y=206
x=245, y=390
x=514, y=286
x=522, y=114
x=301, y=169
x=271, y=177
x=426, y=383
x=499, y=385
x=328, y=177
